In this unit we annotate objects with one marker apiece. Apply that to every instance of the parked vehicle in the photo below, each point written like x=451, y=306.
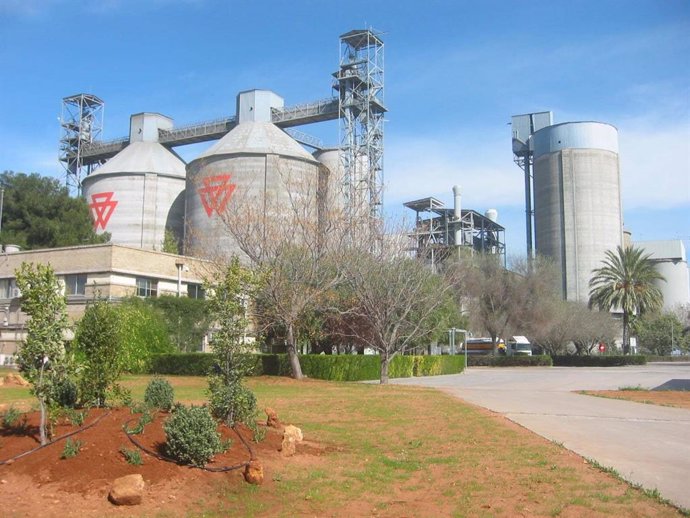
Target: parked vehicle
x=519, y=346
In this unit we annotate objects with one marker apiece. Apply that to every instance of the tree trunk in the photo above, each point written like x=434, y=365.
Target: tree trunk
x=626, y=338
x=385, y=361
x=42, y=424
x=292, y=354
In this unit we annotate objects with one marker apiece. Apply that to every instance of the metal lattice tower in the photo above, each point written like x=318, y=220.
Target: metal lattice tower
x=82, y=124
x=361, y=109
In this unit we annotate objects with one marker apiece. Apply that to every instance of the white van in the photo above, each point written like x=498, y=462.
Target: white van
x=519, y=346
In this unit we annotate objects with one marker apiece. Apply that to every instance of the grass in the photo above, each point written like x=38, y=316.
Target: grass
x=398, y=450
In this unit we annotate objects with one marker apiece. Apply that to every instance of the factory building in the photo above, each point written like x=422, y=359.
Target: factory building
x=670, y=260
x=573, y=171
x=84, y=272
x=440, y=231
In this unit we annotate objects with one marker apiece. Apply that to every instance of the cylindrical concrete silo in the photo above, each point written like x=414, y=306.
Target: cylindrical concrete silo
x=670, y=260
x=577, y=200
x=138, y=193
x=257, y=169
x=331, y=179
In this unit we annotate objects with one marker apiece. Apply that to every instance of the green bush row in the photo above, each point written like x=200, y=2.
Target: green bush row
x=543, y=360
x=598, y=361
x=343, y=367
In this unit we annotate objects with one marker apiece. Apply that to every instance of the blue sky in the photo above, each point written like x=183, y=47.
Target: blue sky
x=455, y=73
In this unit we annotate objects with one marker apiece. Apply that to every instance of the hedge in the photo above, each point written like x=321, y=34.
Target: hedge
x=654, y=358
x=343, y=367
x=598, y=361
x=509, y=361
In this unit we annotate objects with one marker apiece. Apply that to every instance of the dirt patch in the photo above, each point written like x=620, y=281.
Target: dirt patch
x=674, y=398
x=42, y=483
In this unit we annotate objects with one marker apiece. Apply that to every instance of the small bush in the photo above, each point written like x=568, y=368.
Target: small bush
x=10, y=418
x=144, y=419
x=508, y=361
x=65, y=393
x=118, y=396
x=71, y=449
x=598, y=361
x=132, y=457
x=232, y=403
x=258, y=432
x=159, y=394
x=74, y=417
x=192, y=435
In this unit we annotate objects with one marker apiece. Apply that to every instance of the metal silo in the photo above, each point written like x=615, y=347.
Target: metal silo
x=138, y=193
x=577, y=201
x=255, y=168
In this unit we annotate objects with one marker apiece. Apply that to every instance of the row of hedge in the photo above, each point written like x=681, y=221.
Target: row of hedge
x=654, y=358
x=598, y=361
x=343, y=367
x=543, y=360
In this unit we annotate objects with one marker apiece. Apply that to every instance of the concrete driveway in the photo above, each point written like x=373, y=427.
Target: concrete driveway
x=646, y=444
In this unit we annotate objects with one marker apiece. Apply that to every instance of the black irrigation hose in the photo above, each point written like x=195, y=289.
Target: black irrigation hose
x=91, y=425
x=220, y=469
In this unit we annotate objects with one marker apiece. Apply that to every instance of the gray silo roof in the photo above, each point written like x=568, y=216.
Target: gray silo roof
x=143, y=157
x=257, y=138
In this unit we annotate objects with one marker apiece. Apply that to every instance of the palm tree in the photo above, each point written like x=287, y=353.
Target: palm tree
x=625, y=281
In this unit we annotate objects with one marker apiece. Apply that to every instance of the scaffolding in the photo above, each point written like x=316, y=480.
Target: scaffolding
x=439, y=232
x=359, y=83
x=82, y=123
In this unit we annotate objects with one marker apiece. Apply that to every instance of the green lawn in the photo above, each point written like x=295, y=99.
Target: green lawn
x=406, y=451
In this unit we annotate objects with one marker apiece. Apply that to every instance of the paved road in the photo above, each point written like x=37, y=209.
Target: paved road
x=646, y=444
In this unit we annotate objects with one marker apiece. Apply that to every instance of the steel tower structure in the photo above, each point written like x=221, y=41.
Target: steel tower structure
x=359, y=82
x=523, y=127
x=82, y=123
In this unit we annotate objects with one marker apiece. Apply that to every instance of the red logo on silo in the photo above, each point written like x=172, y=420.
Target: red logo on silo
x=102, y=207
x=216, y=193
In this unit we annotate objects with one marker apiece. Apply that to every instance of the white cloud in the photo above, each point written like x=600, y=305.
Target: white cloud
x=417, y=167
x=655, y=165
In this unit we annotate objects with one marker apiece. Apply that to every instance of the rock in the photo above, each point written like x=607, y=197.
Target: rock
x=293, y=431
x=9, y=461
x=127, y=490
x=254, y=473
x=272, y=418
x=287, y=448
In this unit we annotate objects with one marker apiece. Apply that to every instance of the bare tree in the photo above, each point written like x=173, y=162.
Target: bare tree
x=290, y=235
x=393, y=299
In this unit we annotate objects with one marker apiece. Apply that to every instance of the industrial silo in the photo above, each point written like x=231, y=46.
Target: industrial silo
x=256, y=171
x=577, y=201
x=138, y=193
x=669, y=260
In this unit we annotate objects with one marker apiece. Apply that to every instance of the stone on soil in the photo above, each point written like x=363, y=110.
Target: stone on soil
x=272, y=418
x=293, y=431
x=254, y=473
x=127, y=490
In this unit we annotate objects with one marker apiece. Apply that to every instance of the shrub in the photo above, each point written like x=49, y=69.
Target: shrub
x=234, y=403
x=10, y=418
x=65, y=393
x=132, y=457
x=144, y=419
x=159, y=394
x=509, y=361
x=71, y=449
x=192, y=435
x=598, y=361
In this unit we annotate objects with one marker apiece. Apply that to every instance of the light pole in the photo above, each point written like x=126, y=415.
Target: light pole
x=451, y=339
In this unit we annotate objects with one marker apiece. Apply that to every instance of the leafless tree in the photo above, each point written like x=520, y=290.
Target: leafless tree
x=392, y=297
x=291, y=235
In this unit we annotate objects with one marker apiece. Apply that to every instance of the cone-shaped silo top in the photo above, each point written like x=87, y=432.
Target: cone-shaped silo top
x=143, y=157
x=258, y=138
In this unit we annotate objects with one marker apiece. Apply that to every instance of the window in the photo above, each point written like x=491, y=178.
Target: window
x=75, y=284
x=147, y=287
x=8, y=289
x=196, y=291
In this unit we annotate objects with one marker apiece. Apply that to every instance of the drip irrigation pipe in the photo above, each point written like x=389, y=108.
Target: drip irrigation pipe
x=57, y=439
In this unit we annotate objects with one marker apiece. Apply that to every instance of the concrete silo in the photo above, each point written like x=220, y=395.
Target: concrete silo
x=256, y=169
x=670, y=261
x=577, y=200
x=138, y=194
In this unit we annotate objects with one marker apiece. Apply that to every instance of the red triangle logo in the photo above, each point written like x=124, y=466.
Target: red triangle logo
x=215, y=193
x=102, y=207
